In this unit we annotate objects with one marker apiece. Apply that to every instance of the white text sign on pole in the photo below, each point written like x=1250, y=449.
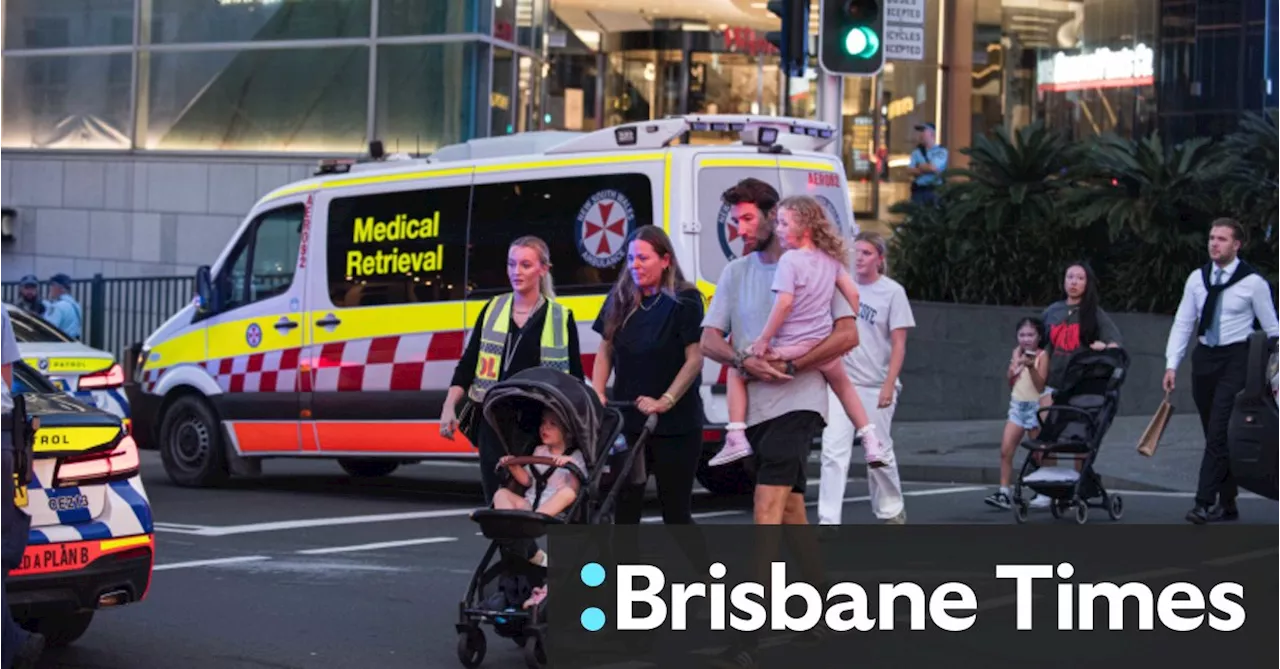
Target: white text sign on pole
x=904, y=29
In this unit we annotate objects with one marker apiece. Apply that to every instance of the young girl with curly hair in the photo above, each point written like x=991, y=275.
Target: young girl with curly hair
x=808, y=274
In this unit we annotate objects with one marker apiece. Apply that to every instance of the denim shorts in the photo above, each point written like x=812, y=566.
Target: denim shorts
x=1024, y=414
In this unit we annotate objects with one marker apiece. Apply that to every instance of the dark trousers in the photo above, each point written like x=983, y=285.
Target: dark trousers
x=1217, y=375
x=673, y=461
x=16, y=526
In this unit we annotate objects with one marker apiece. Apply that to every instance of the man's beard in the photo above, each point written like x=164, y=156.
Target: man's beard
x=758, y=244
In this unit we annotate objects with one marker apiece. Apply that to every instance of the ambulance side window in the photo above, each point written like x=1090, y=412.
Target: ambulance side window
x=398, y=247
x=719, y=241
x=584, y=220
x=264, y=260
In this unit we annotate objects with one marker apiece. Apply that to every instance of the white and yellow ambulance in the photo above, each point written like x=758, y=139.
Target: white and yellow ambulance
x=330, y=325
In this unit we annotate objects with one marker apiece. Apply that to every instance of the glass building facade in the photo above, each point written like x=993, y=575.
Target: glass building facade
x=268, y=76
x=277, y=77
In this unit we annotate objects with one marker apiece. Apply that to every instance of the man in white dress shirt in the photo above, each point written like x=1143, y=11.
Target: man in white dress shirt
x=1220, y=302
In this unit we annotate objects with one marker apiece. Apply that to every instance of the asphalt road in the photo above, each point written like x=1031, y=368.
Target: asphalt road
x=305, y=567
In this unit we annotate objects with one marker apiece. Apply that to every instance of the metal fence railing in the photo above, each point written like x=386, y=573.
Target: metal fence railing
x=119, y=312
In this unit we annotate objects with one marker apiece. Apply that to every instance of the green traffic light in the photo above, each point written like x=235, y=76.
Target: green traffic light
x=861, y=42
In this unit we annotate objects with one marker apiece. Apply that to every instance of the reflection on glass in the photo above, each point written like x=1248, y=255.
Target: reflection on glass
x=183, y=21
x=274, y=100
x=502, y=101
x=44, y=24
x=419, y=17
x=733, y=83
x=67, y=102
x=426, y=95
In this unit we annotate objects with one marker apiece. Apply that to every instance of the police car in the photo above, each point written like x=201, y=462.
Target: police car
x=91, y=544
x=90, y=375
x=330, y=325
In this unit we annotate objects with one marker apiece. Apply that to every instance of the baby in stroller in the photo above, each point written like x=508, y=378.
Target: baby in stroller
x=561, y=486
x=560, y=468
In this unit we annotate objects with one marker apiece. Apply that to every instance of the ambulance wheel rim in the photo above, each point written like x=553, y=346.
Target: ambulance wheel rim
x=191, y=440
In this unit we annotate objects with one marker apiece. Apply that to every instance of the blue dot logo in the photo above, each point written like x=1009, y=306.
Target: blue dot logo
x=592, y=574
x=592, y=619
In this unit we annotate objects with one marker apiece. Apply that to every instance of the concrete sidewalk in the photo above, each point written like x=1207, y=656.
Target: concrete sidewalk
x=969, y=452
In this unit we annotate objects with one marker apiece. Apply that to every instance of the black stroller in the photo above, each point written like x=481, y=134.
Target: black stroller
x=1072, y=428
x=513, y=408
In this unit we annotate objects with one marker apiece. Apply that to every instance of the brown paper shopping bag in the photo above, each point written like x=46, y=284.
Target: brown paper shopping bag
x=1155, y=429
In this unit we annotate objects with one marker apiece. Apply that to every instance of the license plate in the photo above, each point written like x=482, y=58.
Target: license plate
x=19, y=494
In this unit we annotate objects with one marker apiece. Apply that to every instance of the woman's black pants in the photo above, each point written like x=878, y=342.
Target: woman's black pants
x=673, y=461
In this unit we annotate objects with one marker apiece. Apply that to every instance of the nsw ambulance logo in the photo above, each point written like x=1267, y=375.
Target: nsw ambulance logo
x=253, y=335
x=604, y=222
x=833, y=213
x=732, y=243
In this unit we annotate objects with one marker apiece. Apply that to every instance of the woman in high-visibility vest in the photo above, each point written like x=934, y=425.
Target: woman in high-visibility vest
x=515, y=331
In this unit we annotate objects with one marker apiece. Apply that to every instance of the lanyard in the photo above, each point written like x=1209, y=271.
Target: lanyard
x=510, y=355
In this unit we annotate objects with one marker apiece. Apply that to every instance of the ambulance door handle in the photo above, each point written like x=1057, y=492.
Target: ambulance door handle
x=328, y=321
x=285, y=324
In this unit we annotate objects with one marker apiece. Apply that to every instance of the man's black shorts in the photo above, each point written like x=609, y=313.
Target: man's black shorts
x=782, y=448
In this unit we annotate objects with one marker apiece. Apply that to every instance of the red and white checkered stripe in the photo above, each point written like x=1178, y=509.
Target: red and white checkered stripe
x=419, y=361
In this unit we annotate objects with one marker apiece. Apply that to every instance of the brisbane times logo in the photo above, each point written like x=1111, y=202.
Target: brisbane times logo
x=645, y=601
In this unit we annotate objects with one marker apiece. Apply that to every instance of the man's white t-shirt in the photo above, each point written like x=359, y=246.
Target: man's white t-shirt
x=883, y=308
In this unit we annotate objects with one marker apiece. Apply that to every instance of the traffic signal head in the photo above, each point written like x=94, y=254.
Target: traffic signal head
x=850, y=37
x=793, y=40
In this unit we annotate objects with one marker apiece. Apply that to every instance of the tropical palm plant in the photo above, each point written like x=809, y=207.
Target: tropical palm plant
x=1249, y=186
x=997, y=235
x=1010, y=181
x=1156, y=202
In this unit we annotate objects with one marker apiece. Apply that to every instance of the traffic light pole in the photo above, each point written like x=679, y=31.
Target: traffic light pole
x=831, y=108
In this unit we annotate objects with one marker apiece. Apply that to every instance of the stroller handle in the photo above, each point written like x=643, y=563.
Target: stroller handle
x=523, y=460
x=649, y=424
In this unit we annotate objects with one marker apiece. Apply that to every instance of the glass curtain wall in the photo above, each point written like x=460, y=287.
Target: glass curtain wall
x=323, y=76
x=1086, y=67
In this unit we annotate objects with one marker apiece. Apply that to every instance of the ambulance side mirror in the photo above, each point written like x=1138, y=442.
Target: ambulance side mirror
x=204, y=290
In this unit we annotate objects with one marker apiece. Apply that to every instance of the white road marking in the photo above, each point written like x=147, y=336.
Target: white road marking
x=374, y=547
x=210, y=563
x=912, y=493
x=329, y=522
x=283, y=525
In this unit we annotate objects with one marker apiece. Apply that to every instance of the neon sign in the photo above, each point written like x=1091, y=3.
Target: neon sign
x=1103, y=68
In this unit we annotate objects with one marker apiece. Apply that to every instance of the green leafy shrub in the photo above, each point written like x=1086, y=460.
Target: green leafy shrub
x=1139, y=211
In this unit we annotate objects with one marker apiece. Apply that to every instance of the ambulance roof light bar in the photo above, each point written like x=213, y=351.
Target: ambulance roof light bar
x=753, y=131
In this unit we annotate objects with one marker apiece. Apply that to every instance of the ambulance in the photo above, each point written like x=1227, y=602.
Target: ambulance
x=330, y=325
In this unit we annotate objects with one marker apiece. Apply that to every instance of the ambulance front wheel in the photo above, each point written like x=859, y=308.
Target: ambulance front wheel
x=191, y=445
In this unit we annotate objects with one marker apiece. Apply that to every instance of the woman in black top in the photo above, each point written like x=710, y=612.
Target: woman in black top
x=651, y=325
x=532, y=297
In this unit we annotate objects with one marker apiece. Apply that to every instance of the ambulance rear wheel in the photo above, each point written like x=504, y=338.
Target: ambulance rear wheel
x=191, y=444
x=368, y=468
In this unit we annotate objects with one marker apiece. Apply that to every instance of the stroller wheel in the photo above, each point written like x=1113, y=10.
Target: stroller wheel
x=1020, y=512
x=471, y=647
x=1115, y=507
x=1055, y=507
x=535, y=654
x=1082, y=512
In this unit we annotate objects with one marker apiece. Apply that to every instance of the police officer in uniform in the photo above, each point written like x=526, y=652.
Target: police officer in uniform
x=21, y=649
x=62, y=311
